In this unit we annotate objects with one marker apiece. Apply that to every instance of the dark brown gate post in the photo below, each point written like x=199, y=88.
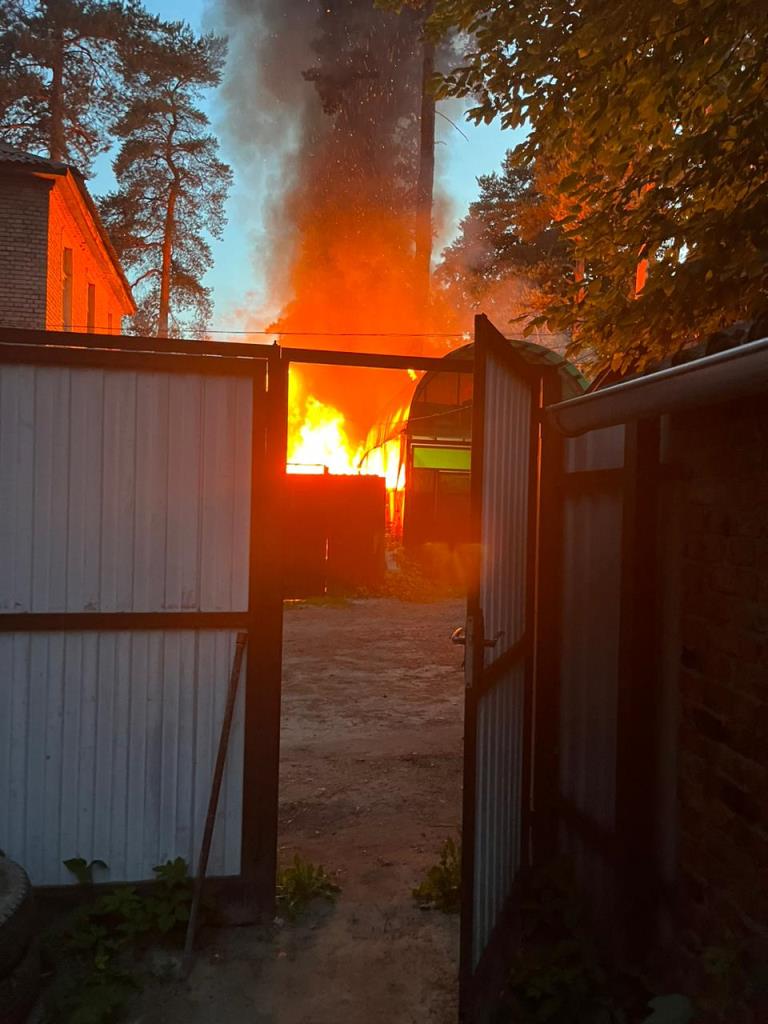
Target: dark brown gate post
x=261, y=763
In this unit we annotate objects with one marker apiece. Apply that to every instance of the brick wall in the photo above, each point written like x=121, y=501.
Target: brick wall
x=88, y=267
x=723, y=724
x=23, y=244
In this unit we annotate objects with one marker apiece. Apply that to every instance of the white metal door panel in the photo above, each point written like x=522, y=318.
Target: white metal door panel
x=499, y=647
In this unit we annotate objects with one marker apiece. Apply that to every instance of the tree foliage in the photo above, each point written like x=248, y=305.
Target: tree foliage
x=171, y=184
x=654, y=115
x=510, y=258
x=59, y=82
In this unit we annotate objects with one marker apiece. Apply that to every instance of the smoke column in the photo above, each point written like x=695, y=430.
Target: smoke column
x=328, y=95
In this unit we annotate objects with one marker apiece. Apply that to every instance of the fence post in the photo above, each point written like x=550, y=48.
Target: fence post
x=261, y=761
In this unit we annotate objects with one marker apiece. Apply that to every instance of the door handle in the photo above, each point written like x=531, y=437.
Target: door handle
x=459, y=636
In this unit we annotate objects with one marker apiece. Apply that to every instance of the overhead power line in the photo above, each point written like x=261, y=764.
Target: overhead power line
x=281, y=334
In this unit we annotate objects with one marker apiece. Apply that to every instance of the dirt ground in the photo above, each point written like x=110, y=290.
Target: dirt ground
x=370, y=788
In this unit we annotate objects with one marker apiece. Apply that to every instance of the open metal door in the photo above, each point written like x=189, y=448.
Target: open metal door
x=499, y=659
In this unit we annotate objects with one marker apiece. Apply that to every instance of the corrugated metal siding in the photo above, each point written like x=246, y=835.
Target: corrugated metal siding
x=498, y=802
x=589, y=651
x=591, y=603
x=599, y=449
x=499, y=797
x=119, y=491
x=123, y=491
x=505, y=506
x=107, y=746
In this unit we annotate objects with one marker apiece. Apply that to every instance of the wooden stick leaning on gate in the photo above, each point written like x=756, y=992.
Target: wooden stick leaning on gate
x=213, y=801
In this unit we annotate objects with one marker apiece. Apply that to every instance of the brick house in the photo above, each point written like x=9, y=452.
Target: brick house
x=58, y=269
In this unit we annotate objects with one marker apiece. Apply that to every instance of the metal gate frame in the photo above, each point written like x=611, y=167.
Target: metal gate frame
x=262, y=620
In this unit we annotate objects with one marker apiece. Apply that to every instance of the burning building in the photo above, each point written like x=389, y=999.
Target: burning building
x=422, y=453
x=436, y=443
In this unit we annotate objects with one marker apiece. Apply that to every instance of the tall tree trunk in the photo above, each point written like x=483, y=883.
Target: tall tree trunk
x=56, y=142
x=426, y=178
x=165, y=269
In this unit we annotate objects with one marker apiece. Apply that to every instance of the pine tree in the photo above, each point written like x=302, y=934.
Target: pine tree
x=59, y=87
x=510, y=258
x=171, y=184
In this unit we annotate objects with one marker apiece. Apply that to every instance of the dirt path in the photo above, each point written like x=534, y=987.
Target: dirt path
x=371, y=778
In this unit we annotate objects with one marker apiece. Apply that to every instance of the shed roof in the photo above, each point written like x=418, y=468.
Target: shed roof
x=572, y=381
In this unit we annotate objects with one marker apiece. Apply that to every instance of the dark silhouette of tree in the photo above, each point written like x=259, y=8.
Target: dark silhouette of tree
x=509, y=243
x=171, y=184
x=59, y=87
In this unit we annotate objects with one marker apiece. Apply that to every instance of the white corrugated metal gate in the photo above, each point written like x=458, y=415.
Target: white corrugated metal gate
x=560, y=740
x=134, y=514
x=500, y=645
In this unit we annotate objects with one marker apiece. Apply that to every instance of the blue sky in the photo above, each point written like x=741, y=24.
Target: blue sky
x=235, y=273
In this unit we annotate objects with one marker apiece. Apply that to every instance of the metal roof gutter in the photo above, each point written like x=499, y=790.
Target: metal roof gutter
x=735, y=373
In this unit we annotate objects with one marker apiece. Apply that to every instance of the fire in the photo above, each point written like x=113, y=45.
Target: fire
x=319, y=441
x=353, y=287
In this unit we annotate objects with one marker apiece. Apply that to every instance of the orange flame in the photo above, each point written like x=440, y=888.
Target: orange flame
x=353, y=286
x=319, y=441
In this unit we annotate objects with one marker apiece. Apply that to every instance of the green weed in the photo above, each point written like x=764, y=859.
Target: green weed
x=95, y=956
x=441, y=888
x=82, y=869
x=302, y=882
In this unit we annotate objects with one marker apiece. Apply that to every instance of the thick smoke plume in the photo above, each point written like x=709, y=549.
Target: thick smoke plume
x=328, y=95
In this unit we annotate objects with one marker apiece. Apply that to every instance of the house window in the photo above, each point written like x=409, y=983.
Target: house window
x=66, y=290
x=91, y=317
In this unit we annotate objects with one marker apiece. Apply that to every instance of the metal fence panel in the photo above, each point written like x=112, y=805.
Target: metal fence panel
x=503, y=597
x=589, y=658
x=123, y=491
x=503, y=580
x=498, y=802
x=107, y=746
x=120, y=491
x=589, y=652
x=599, y=449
